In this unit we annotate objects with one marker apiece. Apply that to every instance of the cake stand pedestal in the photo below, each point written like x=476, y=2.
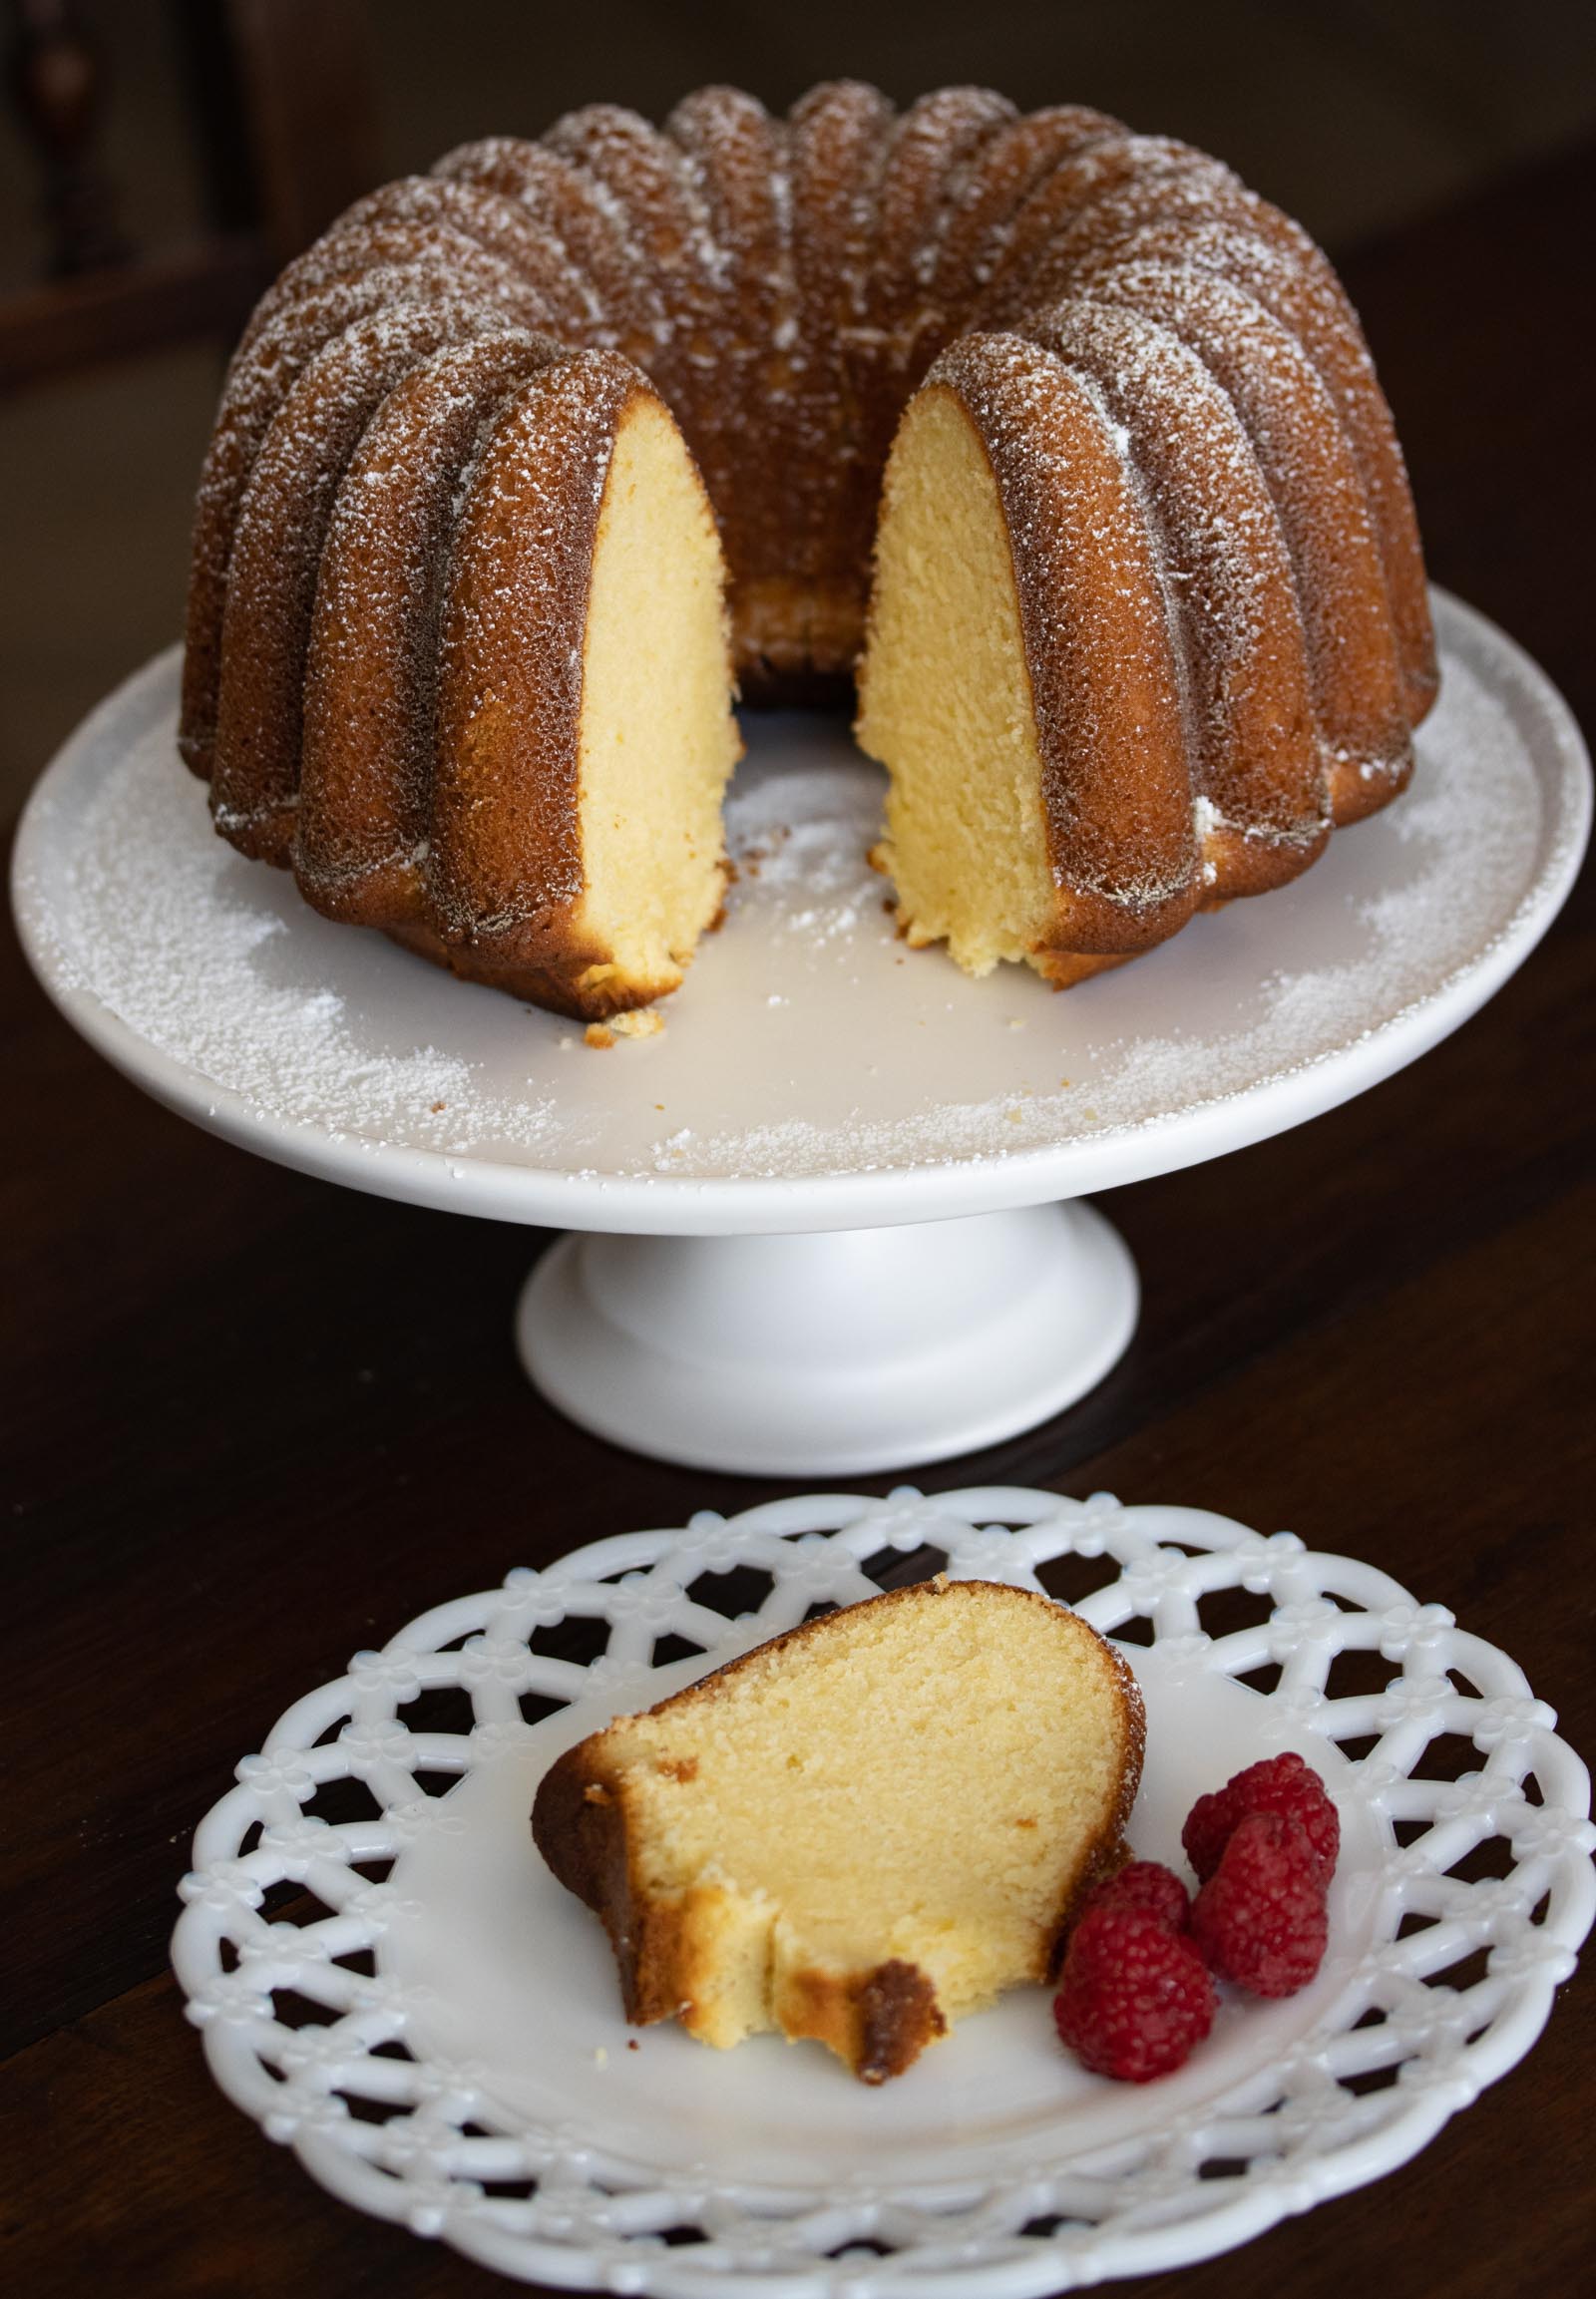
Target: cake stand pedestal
x=858, y=1346
x=830, y=1210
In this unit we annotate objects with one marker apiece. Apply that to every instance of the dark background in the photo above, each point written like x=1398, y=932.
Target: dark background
x=1354, y=115
x=253, y=1421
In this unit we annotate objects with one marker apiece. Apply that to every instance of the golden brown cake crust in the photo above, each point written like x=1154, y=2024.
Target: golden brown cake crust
x=362, y=836
x=878, y=2021
x=505, y=872
x=1353, y=668
x=1106, y=703
x=277, y=560
x=785, y=284
x=1222, y=559
x=259, y=380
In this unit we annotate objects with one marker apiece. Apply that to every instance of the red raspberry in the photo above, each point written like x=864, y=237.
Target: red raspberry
x=1260, y=1919
x=1282, y=1784
x=1135, y=1998
x=1146, y=1884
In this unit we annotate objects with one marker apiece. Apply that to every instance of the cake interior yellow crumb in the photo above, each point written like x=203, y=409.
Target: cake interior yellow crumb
x=657, y=736
x=923, y=1784
x=946, y=701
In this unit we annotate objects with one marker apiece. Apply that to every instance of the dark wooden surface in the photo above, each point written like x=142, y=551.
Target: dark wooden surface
x=257, y=1421
x=281, y=111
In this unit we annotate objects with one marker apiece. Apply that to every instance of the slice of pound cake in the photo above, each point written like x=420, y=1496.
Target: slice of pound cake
x=861, y=1830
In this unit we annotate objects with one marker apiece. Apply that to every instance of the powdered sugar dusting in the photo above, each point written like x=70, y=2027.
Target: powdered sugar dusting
x=786, y=284
x=812, y=1042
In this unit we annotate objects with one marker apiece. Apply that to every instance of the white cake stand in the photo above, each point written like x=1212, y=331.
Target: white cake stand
x=827, y=1218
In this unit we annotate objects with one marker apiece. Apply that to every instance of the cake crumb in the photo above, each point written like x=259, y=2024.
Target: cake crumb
x=598, y=1036
x=632, y=2043
x=643, y=1021
x=437, y=1106
x=601, y=2057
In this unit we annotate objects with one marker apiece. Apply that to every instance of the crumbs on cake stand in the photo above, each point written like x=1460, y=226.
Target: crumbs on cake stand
x=642, y=1021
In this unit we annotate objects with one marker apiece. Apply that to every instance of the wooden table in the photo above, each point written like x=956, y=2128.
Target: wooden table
x=259, y=1421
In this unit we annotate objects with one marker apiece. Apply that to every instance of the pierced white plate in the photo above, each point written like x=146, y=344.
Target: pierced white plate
x=433, y=2023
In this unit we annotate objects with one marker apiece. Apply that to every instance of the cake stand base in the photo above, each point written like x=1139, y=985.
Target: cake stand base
x=727, y=1313
x=842, y=1352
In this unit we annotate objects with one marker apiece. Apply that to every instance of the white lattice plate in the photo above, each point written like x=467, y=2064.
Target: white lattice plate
x=387, y=1979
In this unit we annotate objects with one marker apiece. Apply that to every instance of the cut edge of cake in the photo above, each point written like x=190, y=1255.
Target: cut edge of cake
x=700, y=1936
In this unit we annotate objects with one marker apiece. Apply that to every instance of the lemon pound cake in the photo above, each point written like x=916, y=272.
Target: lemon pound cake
x=863, y=1829
x=453, y=691
x=525, y=458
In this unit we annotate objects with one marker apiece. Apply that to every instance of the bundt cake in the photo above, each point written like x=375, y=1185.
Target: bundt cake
x=527, y=464
x=861, y=1830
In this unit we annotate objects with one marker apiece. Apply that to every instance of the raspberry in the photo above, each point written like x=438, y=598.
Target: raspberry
x=1260, y=1919
x=1146, y=1884
x=1282, y=1784
x=1135, y=1996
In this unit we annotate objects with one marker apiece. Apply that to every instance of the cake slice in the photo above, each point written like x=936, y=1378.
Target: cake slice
x=861, y=1830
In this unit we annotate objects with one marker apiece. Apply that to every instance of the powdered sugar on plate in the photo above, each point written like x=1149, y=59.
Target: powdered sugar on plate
x=807, y=1040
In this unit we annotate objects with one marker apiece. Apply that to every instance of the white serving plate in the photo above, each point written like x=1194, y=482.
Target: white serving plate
x=468, y=2006
x=812, y=1073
